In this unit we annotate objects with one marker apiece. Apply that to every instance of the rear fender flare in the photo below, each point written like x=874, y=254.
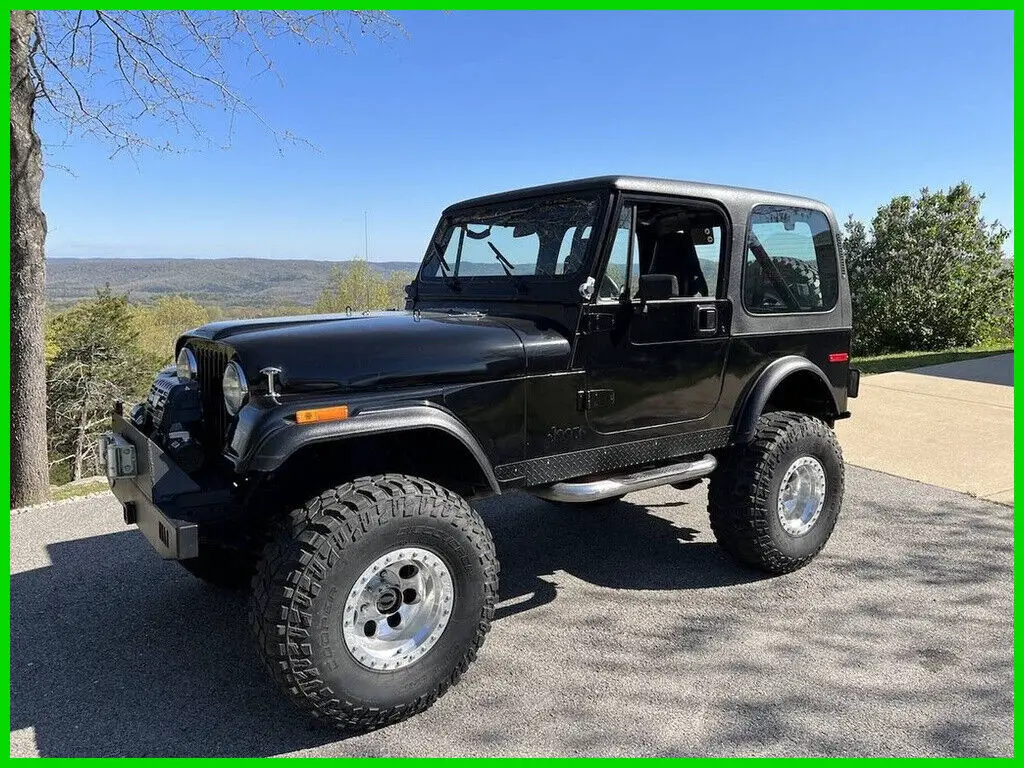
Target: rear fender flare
x=772, y=376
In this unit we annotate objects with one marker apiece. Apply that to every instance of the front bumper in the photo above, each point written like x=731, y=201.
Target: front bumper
x=161, y=499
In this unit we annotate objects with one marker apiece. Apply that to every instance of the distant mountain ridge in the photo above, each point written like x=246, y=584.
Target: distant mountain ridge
x=224, y=282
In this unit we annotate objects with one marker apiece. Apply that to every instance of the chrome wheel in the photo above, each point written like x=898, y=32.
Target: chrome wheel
x=398, y=608
x=801, y=495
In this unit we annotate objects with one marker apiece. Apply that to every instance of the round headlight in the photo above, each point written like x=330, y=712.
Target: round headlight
x=236, y=388
x=186, y=364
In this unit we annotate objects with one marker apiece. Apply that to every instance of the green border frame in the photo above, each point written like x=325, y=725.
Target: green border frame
x=920, y=5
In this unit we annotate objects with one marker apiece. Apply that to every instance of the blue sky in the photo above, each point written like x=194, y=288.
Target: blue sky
x=851, y=108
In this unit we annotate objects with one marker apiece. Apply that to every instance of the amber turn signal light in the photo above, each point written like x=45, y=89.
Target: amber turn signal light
x=315, y=415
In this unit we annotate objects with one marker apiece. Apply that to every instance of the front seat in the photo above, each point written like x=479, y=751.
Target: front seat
x=674, y=254
x=577, y=252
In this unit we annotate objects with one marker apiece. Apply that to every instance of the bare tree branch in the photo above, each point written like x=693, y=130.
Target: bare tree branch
x=143, y=79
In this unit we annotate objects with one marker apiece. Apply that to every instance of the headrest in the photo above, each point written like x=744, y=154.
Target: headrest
x=577, y=250
x=676, y=242
x=657, y=286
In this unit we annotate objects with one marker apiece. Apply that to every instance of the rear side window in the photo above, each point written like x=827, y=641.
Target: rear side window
x=791, y=263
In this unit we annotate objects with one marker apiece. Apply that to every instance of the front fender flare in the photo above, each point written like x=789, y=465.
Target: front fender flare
x=770, y=378
x=278, y=445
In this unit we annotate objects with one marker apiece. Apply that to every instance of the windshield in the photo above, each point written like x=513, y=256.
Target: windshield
x=536, y=238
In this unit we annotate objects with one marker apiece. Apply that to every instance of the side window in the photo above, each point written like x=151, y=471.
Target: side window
x=791, y=263
x=707, y=242
x=613, y=284
x=681, y=242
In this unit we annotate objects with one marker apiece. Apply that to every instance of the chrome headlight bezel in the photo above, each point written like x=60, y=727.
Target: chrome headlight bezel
x=234, y=387
x=186, y=366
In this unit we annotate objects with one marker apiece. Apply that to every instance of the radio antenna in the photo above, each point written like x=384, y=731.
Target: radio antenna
x=366, y=256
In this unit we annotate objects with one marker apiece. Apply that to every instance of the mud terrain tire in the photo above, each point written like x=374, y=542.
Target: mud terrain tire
x=743, y=496
x=801, y=276
x=317, y=560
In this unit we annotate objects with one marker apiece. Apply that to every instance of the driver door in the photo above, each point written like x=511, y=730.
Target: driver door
x=659, y=362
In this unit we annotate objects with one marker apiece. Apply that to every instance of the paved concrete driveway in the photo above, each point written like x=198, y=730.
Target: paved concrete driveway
x=950, y=425
x=621, y=632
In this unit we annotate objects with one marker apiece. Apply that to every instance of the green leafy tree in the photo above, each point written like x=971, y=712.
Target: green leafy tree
x=930, y=274
x=356, y=287
x=96, y=360
x=161, y=322
x=396, y=283
x=136, y=80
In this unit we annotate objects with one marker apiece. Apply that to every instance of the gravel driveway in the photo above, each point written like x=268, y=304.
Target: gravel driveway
x=622, y=631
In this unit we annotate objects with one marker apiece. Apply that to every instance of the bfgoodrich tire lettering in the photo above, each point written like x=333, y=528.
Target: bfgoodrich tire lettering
x=743, y=493
x=310, y=568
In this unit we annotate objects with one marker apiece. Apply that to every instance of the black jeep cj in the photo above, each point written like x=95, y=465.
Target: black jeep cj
x=576, y=341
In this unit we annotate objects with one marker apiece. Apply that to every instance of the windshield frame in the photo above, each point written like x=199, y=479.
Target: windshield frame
x=532, y=287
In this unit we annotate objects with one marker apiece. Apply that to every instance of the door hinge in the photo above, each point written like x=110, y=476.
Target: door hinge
x=589, y=399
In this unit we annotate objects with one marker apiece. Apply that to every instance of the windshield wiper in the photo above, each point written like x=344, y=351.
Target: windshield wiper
x=505, y=263
x=440, y=257
x=450, y=279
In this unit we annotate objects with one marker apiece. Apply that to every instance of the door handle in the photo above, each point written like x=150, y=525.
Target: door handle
x=707, y=319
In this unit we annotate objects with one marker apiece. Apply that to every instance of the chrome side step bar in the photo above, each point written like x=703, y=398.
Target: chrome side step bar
x=595, y=490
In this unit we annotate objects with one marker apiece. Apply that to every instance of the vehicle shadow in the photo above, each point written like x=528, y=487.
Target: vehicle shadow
x=115, y=652
x=622, y=545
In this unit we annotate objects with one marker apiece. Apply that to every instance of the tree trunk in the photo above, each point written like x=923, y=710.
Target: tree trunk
x=29, y=466
x=81, y=437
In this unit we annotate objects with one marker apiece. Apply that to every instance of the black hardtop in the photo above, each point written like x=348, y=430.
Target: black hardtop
x=739, y=197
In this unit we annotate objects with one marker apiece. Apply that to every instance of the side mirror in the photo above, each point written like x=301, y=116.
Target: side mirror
x=654, y=287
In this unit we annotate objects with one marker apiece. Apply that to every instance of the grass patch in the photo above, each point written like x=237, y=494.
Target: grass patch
x=82, y=488
x=902, y=361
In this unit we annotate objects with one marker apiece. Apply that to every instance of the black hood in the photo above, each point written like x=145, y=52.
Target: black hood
x=322, y=353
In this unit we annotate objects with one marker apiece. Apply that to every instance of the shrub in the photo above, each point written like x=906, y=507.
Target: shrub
x=94, y=359
x=930, y=275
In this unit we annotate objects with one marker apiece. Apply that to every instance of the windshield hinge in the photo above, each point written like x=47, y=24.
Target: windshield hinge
x=600, y=321
x=588, y=400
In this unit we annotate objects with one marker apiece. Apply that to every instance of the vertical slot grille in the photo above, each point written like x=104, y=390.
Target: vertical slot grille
x=210, y=360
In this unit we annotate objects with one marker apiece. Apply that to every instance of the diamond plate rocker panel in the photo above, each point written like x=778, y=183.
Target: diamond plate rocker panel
x=565, y=466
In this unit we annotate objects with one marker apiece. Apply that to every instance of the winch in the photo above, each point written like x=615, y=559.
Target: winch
x=173, y=406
